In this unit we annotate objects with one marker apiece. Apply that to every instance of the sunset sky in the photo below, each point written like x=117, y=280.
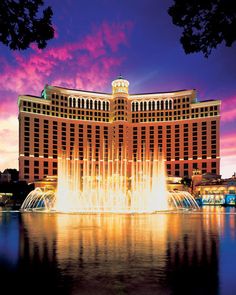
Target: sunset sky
x=95, y=41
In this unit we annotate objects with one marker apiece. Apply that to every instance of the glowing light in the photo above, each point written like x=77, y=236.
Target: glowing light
x=103, y=184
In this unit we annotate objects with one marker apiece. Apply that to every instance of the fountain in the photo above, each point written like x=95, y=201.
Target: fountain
x=109, y=184
x=39, y=200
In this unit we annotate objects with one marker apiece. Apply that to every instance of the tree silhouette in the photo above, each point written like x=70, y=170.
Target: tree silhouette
x=205, y=23
x=23, y=22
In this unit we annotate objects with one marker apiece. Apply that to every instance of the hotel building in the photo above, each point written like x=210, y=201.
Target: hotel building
x=132, y=125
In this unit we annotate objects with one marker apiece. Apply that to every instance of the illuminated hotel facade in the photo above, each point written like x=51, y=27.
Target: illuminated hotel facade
x=131, y=126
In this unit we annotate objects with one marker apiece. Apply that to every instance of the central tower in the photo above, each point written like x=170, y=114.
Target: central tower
x=120, y=93
x=120, y=131
x=120, y=85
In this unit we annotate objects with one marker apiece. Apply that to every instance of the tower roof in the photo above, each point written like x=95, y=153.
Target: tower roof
x=120, y=77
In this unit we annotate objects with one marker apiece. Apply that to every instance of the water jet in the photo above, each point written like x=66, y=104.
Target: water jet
x=111, y=184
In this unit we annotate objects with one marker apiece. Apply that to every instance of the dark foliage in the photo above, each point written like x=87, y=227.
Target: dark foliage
x=22, y=23
x=205, y=23
x=13, y=172
x=19, y=189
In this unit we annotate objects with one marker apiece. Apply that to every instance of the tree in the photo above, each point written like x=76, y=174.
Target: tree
x=21, y=23
x=13, y=172
x=205, y=23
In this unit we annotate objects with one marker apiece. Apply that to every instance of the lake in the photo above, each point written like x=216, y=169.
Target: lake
x=166, y=253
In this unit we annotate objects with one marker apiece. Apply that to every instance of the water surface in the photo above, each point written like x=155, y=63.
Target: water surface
x=169, y=253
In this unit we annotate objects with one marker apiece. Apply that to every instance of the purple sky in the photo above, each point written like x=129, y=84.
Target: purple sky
x=95, y=42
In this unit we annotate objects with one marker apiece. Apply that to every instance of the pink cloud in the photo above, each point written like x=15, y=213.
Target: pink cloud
x=87, y=63
x=84, y=64
x=228, y=110
x=228, y=154
x=9, y=147
x=8, y=107
x=114, y=41
x=228, y=144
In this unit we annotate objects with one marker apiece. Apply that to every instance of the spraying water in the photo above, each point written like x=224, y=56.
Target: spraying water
x=110, y=184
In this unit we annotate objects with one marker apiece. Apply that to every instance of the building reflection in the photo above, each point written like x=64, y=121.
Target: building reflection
x=9, y=239
x=193, y=257
x=165, y=253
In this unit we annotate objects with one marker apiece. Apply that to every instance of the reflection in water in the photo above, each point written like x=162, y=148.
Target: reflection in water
x=9, y=239
x=120, y=254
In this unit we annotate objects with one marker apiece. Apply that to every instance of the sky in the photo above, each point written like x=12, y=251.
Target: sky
x=95, y=41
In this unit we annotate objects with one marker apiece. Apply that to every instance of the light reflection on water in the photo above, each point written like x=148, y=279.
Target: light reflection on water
x=184, y=253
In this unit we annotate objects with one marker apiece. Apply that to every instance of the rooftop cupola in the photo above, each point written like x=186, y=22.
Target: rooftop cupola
x=120, y=85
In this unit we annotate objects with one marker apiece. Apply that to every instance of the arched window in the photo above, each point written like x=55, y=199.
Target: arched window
x=162, y=105
x=166, y=104
x=104, y=105
x=141, y=106
x=70, y=103
x=145, y=106
x=91, y=104
x=87, y=104
x=158, y=105
x=95, y=105
x=137, y=108
x=153, y=106
x=82, y=103
x=133, y=106
x=79, y=103
x=74, y=102
x=108, y=106
x=150, y=105
x=170, y=104
x=99, y=105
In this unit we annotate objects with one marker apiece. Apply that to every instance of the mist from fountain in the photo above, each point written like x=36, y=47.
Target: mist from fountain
x=96, y=185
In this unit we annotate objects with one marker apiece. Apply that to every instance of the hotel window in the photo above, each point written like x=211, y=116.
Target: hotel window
x=26, y=162
x=204, y=165
x=186, y=173
x=185, y=166
x=26, y=170
x=36, y=170
x=213, y=164
x=36, y=163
